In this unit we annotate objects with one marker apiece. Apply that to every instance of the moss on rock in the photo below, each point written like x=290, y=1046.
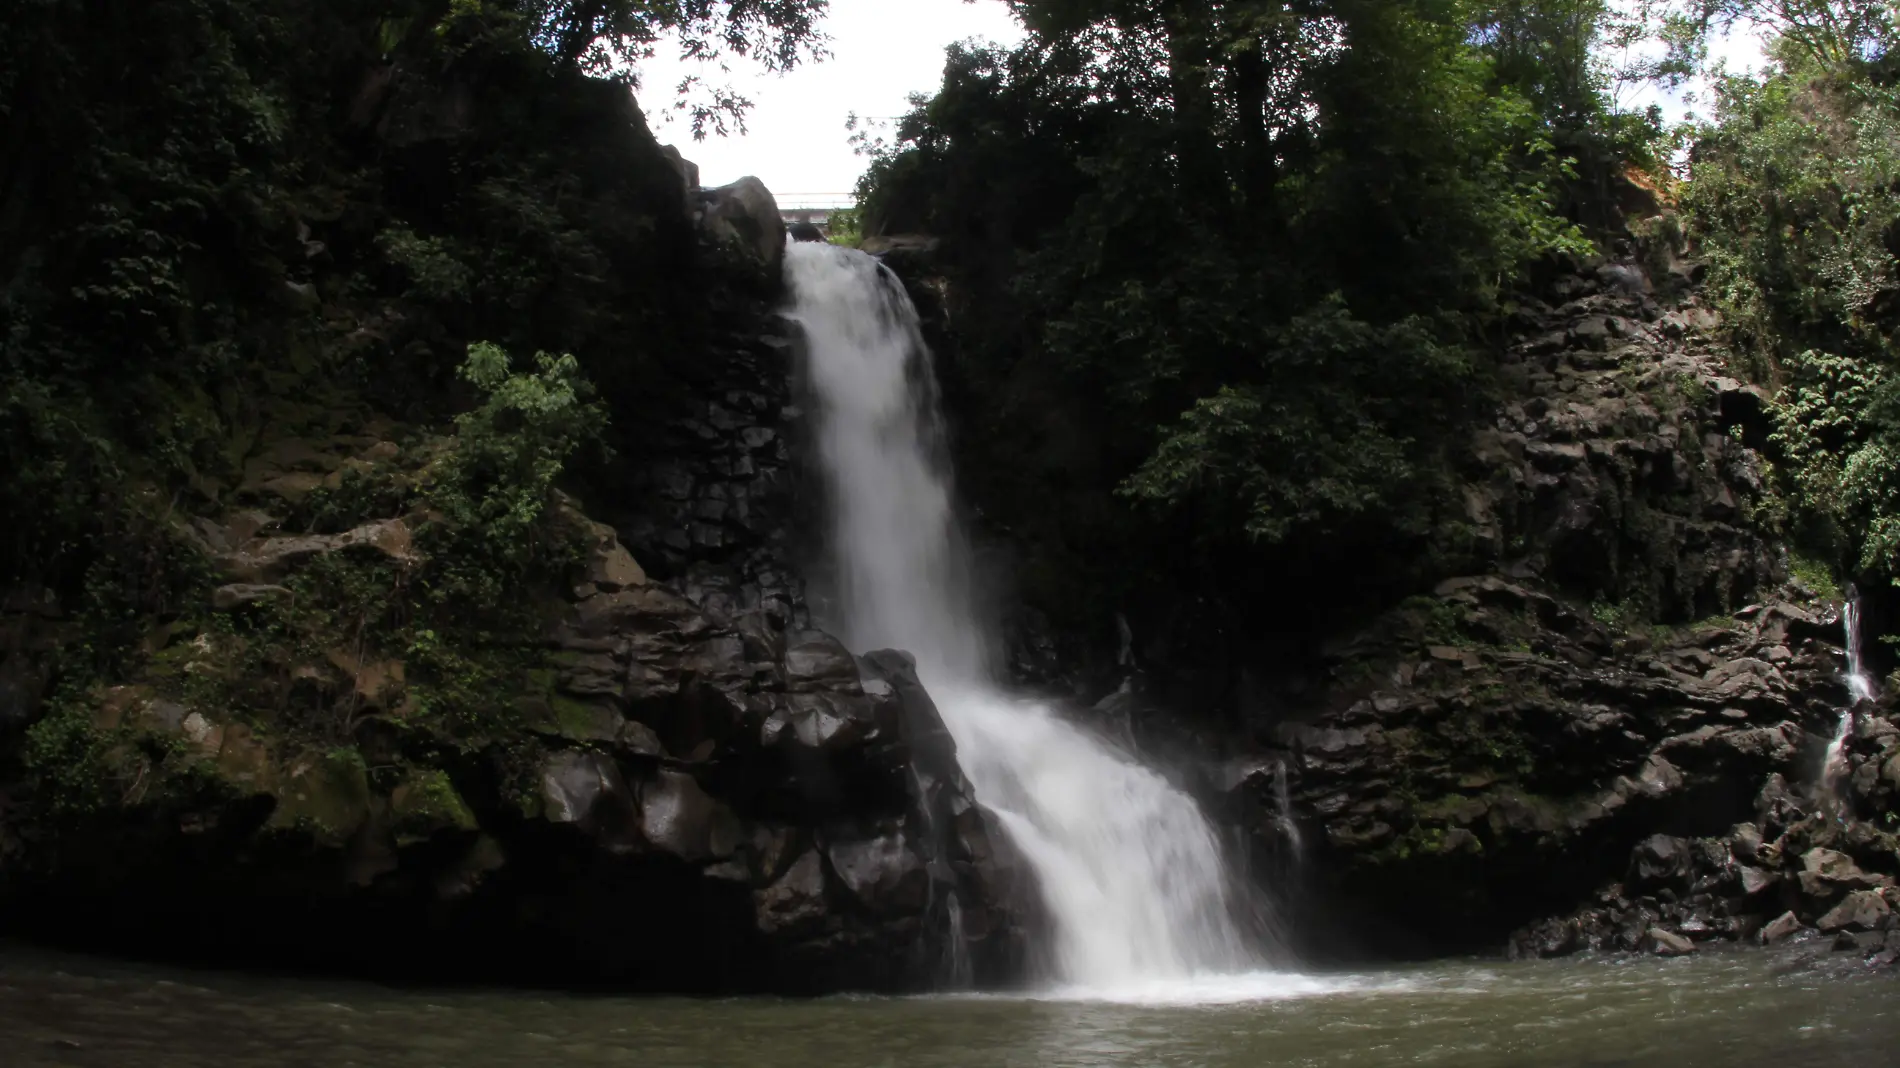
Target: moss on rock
x=326, y=797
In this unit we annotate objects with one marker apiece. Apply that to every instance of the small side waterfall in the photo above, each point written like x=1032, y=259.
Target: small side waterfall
x=1131, y=869
x=1859, y=688
x=1289, y=827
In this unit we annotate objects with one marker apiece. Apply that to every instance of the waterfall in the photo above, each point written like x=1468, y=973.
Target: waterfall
x=1289, y=827
x=1859, y=688
x=1130, y=869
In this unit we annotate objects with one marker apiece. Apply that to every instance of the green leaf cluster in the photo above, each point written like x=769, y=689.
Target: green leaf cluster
x=226, y=221
x=496, y=483
x=1229, y=273
x=1793, y=202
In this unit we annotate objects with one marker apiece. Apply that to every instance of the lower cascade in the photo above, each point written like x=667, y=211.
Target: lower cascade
x=1131, y=871
x=1859, y=688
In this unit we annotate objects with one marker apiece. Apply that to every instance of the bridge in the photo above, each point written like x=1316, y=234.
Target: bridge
x=814, y=208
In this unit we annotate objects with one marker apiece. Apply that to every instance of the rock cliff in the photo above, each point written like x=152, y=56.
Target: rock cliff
x=369, y=694
x=1627, y=697
x=690, y=796
x=1610, y=660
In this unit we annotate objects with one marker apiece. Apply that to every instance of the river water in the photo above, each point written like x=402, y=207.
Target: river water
x=1733, y=1010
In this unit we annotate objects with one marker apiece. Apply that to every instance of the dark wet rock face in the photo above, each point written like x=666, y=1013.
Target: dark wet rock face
x=1488, y=781
x=709, y=802
x=1603, y=693
x=1617, y=719
x=714, y=510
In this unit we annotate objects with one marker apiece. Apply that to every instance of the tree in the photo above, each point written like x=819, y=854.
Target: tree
x=1791, y=202
x=612, y=37
x=1221, y=271
x=1832, y=33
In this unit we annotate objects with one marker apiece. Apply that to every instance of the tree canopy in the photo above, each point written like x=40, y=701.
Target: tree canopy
x=215, y=213
x=1236, y=262
x=1793, y=197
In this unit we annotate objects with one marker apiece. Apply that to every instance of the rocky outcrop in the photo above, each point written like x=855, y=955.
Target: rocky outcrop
x=322, y=686
x=715, y=509
x=1623, y=468
x=1806, y=866
x=745, y=216
x=826, y=786
x=1514, y=754
x=1623, y=687
x=688, y=794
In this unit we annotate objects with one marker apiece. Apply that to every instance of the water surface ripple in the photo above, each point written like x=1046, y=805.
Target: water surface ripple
x=1735, y=1009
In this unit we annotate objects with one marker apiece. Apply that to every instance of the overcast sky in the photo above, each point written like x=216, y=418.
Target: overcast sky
x=882, y=51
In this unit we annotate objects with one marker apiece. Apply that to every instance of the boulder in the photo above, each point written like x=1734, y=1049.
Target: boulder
x=1757, y=881
x=325, y=798
x=610, y=566
x=677, y=816
x=1781, y=928
x=427, y=806
x=1547, y=938
x=745, y=216
x=587, y=792
x=238, y=594
x=1665, y=943
x=1660, y=861
x=796, y=901
x=1863, y=910
x=1827, y=874
x=884, y=873
x=820, y=662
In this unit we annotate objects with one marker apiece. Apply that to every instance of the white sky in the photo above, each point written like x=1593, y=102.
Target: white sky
x=1741, y=50
x=882, y=51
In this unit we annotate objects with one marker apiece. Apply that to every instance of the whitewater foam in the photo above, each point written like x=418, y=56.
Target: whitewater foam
x=1130, y=869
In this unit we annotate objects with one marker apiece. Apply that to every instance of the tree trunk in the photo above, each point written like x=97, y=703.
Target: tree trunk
x=1255, y=175
x=1197, y=153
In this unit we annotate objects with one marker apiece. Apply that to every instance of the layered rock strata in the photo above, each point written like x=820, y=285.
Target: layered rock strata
x=692, y=792
x=1625, y=660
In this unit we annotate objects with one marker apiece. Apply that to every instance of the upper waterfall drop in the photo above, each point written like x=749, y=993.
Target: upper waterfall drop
x=1130, y=869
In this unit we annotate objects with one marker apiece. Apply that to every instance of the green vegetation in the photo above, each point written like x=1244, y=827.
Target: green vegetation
x=846, y=228
x=1228, y=279
x=436, y=639
x=1814, y=574
x=261, y=265
x=1243, y=272
x=1240, y=269
x=223, y=222
x=496, y=483
x=1791, y=199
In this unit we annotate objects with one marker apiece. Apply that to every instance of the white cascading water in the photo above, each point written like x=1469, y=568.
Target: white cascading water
x=1131, y=870
x=1859, y=688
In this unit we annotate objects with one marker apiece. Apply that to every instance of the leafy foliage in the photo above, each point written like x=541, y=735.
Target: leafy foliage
x=610, y=38
x=230, y=224
x=1792, y=201
x=1235, y=263
x=225, y=220
x=1316, y=446
x=1833, y=34
x=497, y=482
